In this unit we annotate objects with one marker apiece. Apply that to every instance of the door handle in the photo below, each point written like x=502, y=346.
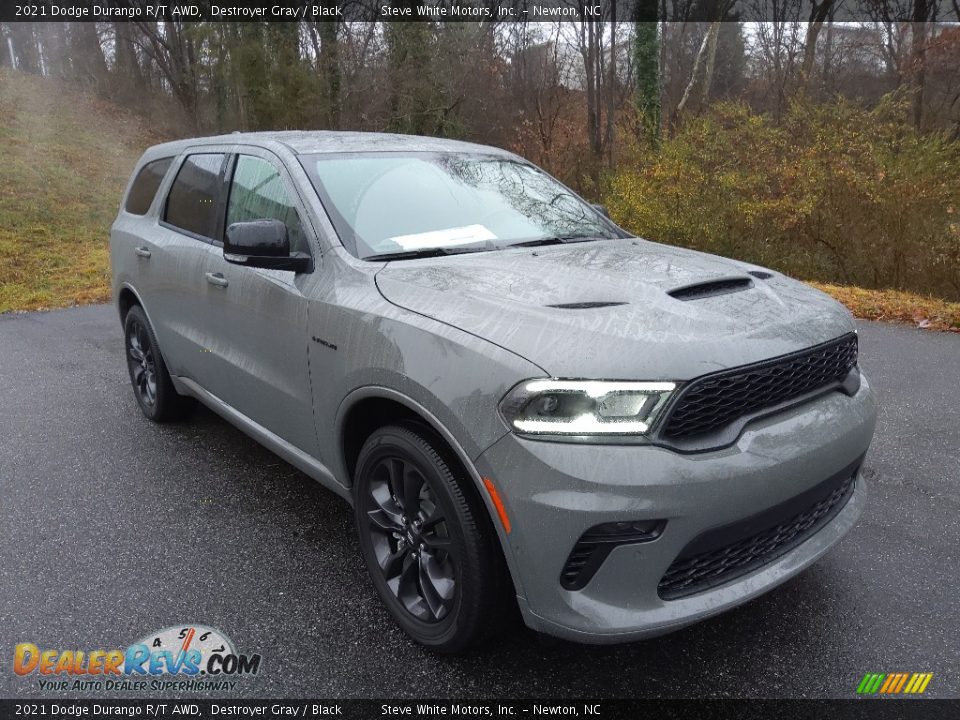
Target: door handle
x=142, y=252
x=217, y=279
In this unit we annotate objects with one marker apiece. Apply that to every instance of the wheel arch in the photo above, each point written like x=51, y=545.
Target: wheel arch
x=127, y=297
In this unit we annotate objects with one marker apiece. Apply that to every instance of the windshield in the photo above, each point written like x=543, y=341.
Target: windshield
x=402, y=203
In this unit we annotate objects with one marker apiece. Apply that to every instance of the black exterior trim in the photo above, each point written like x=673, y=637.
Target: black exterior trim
x=727, y=432
x=586, y=305
x=711, y=288
x=592, y=549
x=709, y=560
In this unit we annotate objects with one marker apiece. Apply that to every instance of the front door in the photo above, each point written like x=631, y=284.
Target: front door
x=258, y=330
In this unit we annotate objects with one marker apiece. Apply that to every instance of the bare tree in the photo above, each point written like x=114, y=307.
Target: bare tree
x=779, y=44
x=819, y=12
x=168, y=44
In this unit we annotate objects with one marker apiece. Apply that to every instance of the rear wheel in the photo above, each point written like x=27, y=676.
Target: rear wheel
x=152, y=387
x=427, y=540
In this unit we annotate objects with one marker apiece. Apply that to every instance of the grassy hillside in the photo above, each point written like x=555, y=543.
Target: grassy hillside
x=64, y=160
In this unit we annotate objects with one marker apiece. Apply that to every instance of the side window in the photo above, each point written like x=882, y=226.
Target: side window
x=195, y=196
x=145, y=186
x=257, y=193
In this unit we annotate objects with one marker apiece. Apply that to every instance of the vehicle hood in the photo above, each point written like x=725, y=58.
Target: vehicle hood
x=508, y=298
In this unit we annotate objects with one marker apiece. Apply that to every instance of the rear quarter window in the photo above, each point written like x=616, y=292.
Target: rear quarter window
x=194, y=199
x=145, y=186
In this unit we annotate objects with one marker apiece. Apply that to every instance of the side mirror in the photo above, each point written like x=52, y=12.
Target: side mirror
x=263, y=244
x=602, y=209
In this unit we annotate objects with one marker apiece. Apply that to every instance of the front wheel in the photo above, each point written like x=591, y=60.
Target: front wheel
x=427, y=540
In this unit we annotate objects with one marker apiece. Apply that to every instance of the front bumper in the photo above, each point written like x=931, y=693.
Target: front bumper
x=554, y=492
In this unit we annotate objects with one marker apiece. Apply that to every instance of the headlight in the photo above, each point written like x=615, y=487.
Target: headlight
x=584, y=407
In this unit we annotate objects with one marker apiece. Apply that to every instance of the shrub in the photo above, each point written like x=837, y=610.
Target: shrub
x=835, y=192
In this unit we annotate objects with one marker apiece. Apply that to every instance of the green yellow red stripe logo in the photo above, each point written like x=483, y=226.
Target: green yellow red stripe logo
x=894, y=683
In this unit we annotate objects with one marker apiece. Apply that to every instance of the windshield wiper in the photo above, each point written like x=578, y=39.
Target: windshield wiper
x=423, y=253
x=537, y=242
x=558, y=240
x=583, y=238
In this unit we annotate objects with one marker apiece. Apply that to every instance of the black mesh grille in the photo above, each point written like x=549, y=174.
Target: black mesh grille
x=714, y=401
x=690, y=574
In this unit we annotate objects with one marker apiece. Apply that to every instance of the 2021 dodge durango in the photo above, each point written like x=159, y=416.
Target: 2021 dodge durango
x=525, y=405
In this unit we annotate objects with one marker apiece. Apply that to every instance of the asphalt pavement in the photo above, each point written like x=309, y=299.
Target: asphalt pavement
x=112, y=527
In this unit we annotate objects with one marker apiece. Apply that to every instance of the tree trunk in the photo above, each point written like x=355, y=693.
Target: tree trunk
x=55, y=51
x=828, y=56
x=411, y=86
x=232, y=32
x=89, y=65
x=647, y=68
x=709, y=40
x=180, y=72
x=22, y=38
x=918, y=59
x=588, y=49
x=818, y=14
x=127, y=64
x=330, y=71
x=712, y=34
x=612, y=83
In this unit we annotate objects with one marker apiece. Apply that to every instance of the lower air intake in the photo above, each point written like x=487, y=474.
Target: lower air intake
x=726, y=553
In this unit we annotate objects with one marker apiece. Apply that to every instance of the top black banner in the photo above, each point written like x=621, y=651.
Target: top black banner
x=500, y=11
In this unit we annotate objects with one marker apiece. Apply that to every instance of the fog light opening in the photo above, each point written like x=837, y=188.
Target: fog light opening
x=598, y=542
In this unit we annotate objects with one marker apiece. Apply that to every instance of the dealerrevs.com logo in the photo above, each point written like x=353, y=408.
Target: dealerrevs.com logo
x=187, y=657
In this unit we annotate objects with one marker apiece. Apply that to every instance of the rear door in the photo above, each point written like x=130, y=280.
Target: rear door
x=133, y=234
x=175, y=257
x=256, y=319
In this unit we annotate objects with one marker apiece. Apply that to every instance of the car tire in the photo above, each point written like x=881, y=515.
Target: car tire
x=152, y=386
x=428, y=541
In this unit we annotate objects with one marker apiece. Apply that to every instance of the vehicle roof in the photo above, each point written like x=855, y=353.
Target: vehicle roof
x=327, y=141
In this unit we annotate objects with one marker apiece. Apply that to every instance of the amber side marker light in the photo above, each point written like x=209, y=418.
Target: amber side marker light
x=497, y=503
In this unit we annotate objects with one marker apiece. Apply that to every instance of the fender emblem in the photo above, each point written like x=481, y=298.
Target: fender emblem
x=324, y=343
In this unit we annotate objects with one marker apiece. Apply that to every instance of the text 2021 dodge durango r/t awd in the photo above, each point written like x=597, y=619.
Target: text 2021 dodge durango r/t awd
x=525, y=405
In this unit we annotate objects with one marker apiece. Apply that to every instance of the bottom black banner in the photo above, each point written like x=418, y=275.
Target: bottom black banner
x=367, y=709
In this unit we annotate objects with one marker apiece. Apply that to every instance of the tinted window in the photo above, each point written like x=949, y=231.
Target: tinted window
x=145, y=186
x=194, y=198
x=257, y=193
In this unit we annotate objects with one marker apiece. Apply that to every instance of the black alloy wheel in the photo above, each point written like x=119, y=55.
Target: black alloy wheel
x=410, y=538
x=142, y=363
x=428, y=541
x=152, y=386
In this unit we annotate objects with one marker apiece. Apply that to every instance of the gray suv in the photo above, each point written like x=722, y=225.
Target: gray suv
x=526, y=406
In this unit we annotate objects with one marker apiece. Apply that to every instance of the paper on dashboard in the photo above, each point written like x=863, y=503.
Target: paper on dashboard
x=444, y=238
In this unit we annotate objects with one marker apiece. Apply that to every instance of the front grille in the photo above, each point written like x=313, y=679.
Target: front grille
x=699, y=568
x=714, y=401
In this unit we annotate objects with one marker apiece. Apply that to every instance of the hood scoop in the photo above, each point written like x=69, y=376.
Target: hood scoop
x=586, y=305
x=712, y=288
